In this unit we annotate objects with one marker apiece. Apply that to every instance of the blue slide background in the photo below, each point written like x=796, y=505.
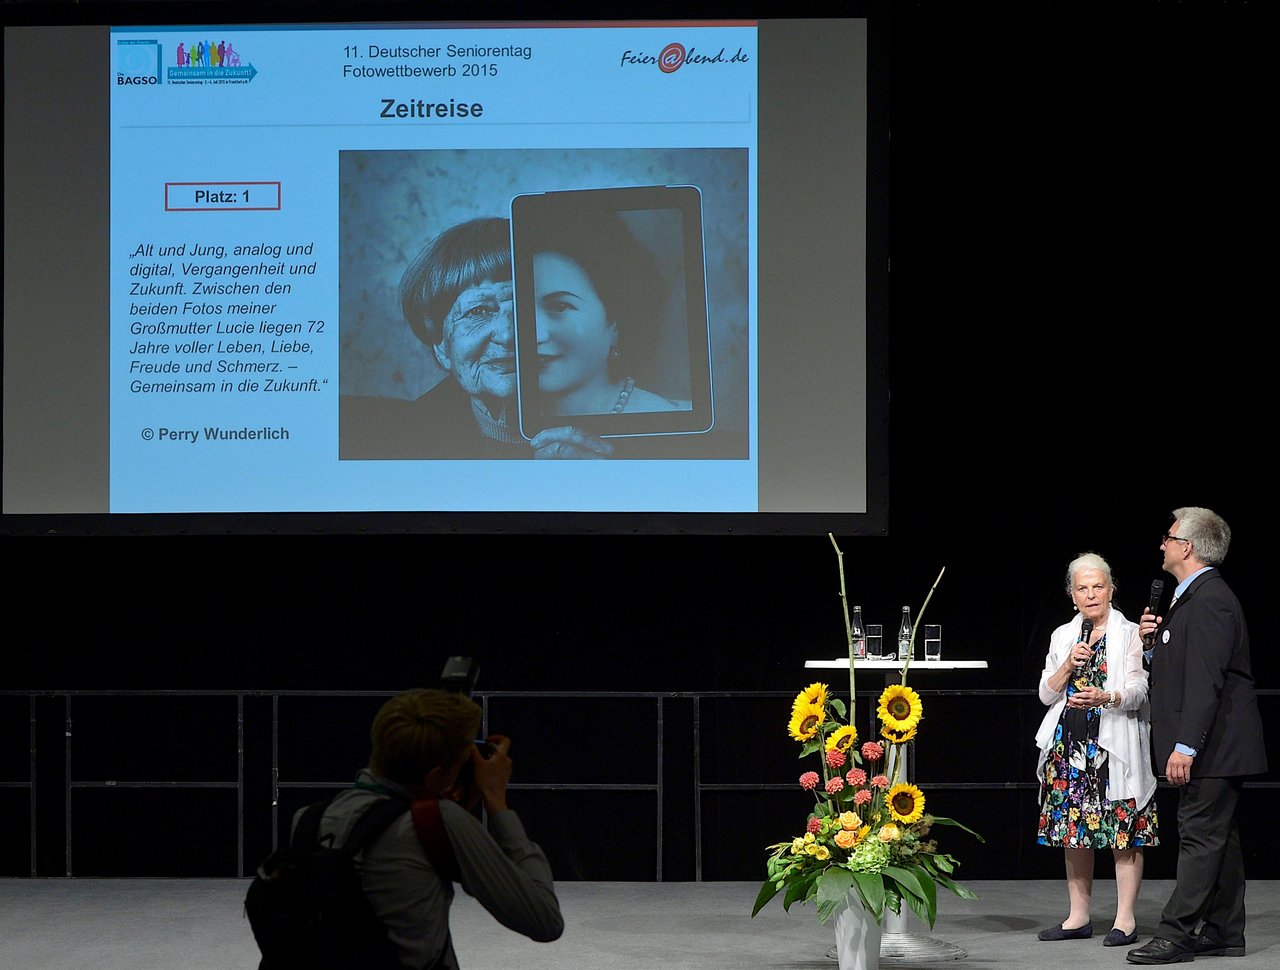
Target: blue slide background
x=286, y=114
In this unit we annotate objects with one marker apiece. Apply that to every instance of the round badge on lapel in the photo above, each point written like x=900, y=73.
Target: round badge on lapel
x=1164, y=637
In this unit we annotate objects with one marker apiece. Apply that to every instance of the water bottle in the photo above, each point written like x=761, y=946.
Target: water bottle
x=904, y=634
x=857, y=635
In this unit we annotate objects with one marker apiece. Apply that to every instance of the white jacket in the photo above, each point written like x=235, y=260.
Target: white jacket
x=1125, y=731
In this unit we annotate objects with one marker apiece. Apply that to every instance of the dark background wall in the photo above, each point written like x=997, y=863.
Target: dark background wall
x=1078, y=332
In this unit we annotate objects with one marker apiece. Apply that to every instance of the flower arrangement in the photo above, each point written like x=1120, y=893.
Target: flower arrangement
x=868, y=830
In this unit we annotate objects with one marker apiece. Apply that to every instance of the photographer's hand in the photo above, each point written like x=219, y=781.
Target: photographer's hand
x=492, y=773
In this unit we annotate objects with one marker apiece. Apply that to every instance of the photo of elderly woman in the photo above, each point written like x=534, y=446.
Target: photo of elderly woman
x=600, y=300
x=456, y=296
x=426, y=353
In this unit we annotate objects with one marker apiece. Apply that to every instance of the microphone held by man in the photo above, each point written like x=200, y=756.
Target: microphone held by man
x=1149, y=635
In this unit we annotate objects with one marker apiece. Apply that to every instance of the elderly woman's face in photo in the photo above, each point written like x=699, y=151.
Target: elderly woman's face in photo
x=574, y=331
x=1091, y=593
x=477, y=341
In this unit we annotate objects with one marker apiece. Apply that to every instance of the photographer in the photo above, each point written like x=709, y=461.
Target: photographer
x=424, y=748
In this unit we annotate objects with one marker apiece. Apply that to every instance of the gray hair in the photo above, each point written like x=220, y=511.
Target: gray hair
x=454, y=261
x=1207, y=532
x=1087, y=560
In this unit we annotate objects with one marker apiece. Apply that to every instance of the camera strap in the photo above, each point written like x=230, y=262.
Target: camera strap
x=429, y=824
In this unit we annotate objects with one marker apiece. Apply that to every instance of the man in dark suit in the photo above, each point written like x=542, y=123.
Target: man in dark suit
x=1206, y=735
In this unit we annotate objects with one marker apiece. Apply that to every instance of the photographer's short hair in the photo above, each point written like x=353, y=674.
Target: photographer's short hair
x=1087, y=560
x=1207, y=531
x=457, y=259
x=420, y=730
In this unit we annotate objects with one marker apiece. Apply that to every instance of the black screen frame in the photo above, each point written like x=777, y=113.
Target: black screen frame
x=775, y=202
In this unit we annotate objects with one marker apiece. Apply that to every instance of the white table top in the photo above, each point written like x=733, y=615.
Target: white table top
x=842, y=663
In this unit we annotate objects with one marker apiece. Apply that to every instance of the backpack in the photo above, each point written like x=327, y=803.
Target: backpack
x=306, y=905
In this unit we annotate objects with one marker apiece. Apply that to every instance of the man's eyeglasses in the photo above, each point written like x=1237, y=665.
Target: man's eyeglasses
x=1168, y=538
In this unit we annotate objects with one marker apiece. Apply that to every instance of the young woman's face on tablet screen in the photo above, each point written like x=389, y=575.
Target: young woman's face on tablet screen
x=575, y=334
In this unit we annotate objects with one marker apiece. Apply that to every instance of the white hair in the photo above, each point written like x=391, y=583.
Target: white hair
x=1087, y=560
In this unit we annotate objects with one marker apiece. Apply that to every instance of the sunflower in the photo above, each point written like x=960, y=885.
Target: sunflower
x=814, y=694
x=843, y=738
x=906, y=803
x=900, y=708
x=805, y=720
x=897, y=737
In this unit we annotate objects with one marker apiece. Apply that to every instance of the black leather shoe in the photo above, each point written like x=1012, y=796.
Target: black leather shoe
x=1211, y=946
x=1058, y=933
x=1120, y=938
x=1160, y=950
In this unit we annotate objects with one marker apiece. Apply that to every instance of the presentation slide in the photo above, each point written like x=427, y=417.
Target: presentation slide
x=547, y=275
x=312, y=302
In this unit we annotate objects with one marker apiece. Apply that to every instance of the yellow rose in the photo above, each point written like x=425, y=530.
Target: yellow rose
x=823, y=853
x=846, y=839
x=890, y=833
x=812, y=849
x=849, y=821
x=809, y=837
x=797, y=846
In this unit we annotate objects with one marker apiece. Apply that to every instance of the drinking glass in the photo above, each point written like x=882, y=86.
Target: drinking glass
x=933, y=641
x=875, y=641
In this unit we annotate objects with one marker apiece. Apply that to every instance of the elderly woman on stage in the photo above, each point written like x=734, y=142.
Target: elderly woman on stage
x=1097, y=786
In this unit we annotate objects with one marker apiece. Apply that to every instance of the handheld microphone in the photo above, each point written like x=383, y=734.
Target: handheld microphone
x=1086, y=630
x=1157, y=590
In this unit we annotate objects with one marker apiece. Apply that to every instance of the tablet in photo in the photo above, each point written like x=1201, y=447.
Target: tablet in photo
x=611, y=311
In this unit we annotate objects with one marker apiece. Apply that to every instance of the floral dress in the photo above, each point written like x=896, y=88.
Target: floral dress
x=1074, y=809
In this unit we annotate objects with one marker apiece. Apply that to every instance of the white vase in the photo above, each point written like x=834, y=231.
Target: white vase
x=857, y=935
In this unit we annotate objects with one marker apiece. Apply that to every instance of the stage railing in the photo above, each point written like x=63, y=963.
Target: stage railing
x=280, y=780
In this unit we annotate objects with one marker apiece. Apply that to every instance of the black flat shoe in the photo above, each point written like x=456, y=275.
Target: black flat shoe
x=1160, y=950
x=1119, y=938
x=1058, y=933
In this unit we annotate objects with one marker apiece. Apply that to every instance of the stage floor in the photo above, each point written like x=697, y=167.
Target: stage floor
x=187, y=924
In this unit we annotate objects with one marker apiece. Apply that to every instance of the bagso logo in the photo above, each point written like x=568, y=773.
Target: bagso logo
x=671, y=58
x=675, y=56
x=137, y=62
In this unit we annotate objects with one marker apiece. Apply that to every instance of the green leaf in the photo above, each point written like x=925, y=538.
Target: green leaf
x=833, y=890
x=892, y=897
x=942, y=863
x=799, y=889
x=905, y=878
x=811, y=746
x=871, y=889
x=918, y=890
x=837, y=705
x=922, y=909
x=939, y=820
x=930, y=887
x=962, y=891
x=767, y=892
